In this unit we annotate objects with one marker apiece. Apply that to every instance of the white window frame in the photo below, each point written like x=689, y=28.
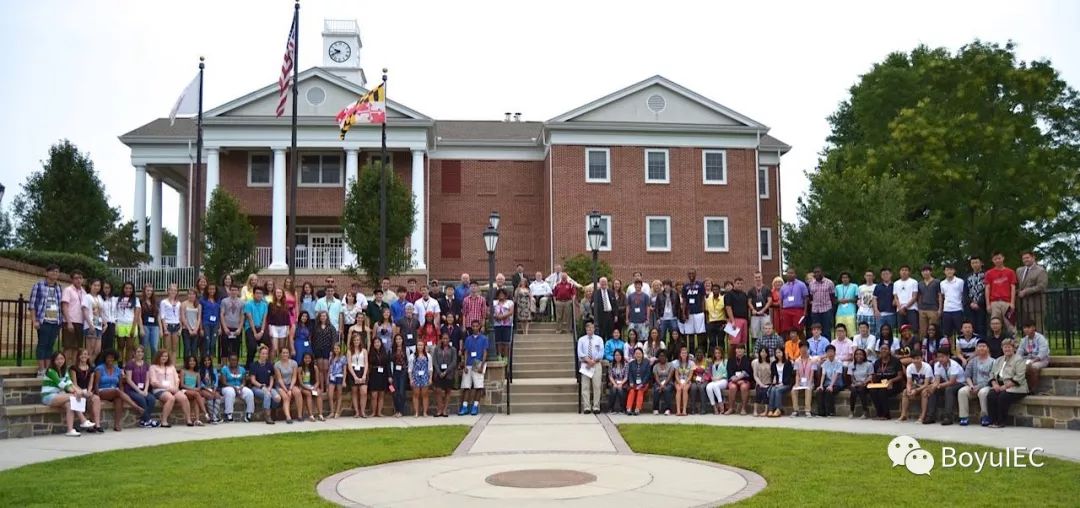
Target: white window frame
x=607, y=160
x=605, y=219
x=705, y=175
x=766, y=254
x=667, y=166
x=648, y=235
x=763, y=192
x=320, y=155
x=727, y=233
x=269, y=156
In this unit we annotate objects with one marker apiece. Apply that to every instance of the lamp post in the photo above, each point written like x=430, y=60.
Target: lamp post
x=596, y=238
x=491, y=241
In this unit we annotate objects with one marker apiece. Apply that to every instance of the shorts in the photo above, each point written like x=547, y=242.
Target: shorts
x=157, y=393
x=91, y=332
x=322, y=354
x=48, y=398
x=695, y=323
x=472, y=379
x=761, y=395
x=279, y=332
x=444, y=383
x=124, y=329
x=502, y=334
x=351, y=382
x=72, y=339
x=172, y=328
x=337, y=381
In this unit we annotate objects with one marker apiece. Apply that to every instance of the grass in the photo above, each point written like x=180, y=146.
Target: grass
x=814, y=468
x=281, y=469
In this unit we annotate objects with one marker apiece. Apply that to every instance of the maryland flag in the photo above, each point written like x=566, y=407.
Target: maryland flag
x=371, y=108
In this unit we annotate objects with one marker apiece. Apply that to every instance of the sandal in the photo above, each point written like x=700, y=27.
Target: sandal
x=322, y=418
x=189, y=424
x=198, y=423
x=165, y=425
x=311, y=418
x=116, y=429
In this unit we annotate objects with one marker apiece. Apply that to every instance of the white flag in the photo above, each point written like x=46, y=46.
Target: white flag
x=188, y=102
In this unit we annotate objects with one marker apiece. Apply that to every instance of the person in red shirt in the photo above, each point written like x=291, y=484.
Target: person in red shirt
x=1001, y=290
x=413, y=294
x=564, y=293
x=429, y=333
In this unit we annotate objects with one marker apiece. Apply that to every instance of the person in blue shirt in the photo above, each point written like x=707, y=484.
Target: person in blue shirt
x=831, y=383
x=462, y=290
x=397, y=308
x=818, y=344
x=302, y=336
x=473, y=361
x=884, y=301
x=255, y=324
x=211, y=319
x=615, y=343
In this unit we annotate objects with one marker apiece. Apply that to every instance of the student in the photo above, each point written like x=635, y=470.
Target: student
x=920, y=378
x=302, y=335
x=615, y=343
x=503, y=319
x=356, y=377
x=165, y=385
x=653, y=346
x=71, y=305
x=977, y=382
x=663, y=389
x=1000, y=291
x=865, y=341
x=189, y=389
x=1035, y=350
x=399, y=373
x=952, y=301
x=1008, y=383
x=309, y=378
x=967, y=340
x=906, y=294
x=769, y=340
x=58, y=391
x=45, y=302
x=255, y=311
x=887, y=370
x=211, y=316
x=93, y=307
x=861, y=371
x=804, y=367
x=323, y=338
x=618, y=378
x=232, y=323
x=782, y=379
x=307, y=298
x=169, y=310
x=668, y=309
x=845, y=348
x=817, y=343
x=907, y=349
x=83, y=375
x=429, y=332
x=107, y=379
x=190, y=322
x=349, y=312
x=699, y=380
x=444, y=363
x=933, y=341
x=716, y=317
x=948, y=379
x=997, y=334
x=762, y=369
x=847, y=296
x=279, y=323
x=333, y=384
x=791, y=346
x=137, y=387
x=420, y=369
x=714, y=390
x=740, y=378
x=867, y=310
x=151, y=324
x=286, y=375
x=208, y=383
x=831, y=381
x=232, y=380
x=638, y=372
x=128, y=317
x=378, y=376
x=262, y=380
x=684, y=369
x=929, y=300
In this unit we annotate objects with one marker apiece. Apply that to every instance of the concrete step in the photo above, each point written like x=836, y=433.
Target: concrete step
x=540, y=373
x=528, y=339
x=543, y=397
x=17, y=372
x=21, y=383
x=540, y=356
x=542, y=385
x=1065, y=361
x=1060, y=372
x=551, y=366
x=543, y=407
x=544, y=348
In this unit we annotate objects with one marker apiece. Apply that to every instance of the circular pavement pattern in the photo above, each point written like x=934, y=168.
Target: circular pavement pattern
x=543, y=479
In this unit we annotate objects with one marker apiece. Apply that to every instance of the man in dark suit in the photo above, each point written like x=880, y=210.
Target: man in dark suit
x=605, y=308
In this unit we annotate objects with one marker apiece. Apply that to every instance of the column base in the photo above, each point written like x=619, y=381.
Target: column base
x=278, y=266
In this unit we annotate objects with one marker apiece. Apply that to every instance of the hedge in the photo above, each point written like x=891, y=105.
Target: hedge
x=90, y=267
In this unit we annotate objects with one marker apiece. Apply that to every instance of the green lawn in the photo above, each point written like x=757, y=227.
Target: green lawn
x=279, y=469
x=814, y=468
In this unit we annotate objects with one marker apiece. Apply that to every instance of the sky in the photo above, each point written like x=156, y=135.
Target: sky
x=90, y=71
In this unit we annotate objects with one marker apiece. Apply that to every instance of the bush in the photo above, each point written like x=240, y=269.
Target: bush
x=90, y=267
x=579, y=267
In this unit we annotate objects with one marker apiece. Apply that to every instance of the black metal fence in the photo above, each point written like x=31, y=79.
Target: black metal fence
x=17, y=335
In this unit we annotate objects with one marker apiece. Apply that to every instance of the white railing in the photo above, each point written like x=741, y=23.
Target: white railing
x=330, y=257
x=341, y=26
x=160, y=278
x=168, y=261
x=262, y=256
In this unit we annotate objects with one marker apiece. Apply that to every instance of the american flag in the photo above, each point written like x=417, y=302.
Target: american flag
x=285, y=80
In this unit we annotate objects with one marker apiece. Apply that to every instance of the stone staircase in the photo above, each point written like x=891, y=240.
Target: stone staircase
x=543, y=374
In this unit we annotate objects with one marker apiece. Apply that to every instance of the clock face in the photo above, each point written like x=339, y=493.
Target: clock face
x=340, y=51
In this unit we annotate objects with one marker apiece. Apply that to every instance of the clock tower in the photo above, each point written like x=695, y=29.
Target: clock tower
x=341, y=49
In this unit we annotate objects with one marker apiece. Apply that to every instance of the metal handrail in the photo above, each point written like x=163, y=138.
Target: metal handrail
x=573, y=348
x=510, y=366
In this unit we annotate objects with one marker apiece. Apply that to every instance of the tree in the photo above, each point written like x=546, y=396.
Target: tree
x=985, y=148
x=121, y=247
x=7, y=231
x=64, y=207
x=230, y=238
x=168, y=240
x=360, y=221
x=579, y=268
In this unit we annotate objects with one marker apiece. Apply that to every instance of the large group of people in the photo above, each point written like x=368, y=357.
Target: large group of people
x=692, y=346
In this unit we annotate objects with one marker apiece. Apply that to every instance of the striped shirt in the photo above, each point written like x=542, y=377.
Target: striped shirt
x=40, y=295
x=473, y=308
x=54, y=383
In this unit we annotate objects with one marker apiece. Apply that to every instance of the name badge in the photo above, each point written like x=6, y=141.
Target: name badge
x=140, y=385
x=408, y=336
x=307, y=344
x=757, y=304
x=791, y=298
x=150, y=320
x=697, y=378
x=314, y=393
x=638, y=381
x=442, y=366
x=380, y=370
x=637, y=310
x=473, y=354
x=397, y=367
x=803, y=382
x=692, y=300
x=213, y=319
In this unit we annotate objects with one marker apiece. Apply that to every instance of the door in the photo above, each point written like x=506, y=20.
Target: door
x=325, y=251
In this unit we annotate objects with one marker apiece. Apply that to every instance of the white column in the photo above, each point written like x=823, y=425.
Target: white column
x=277, y=247
x=182, y=225
x=351, y=174
x=416, y=241
x=155, y=222
x=213, y=171
x=140, y=205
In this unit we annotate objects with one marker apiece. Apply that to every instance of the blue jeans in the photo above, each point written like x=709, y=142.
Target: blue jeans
x=210, y=338
x=776, y=396
x=825, y=319
x=191, y=343
x=886, y=319
x=910, y=318
x=401, y=380
x=147, y=402
x=46, y=340
x=666, y=325
x=150, y=340
x=950, y=323
x=267, y=395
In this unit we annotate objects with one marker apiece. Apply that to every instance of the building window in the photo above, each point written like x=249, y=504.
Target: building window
x=763, y=181
x=450, y=240
x=766, y=243
x=597, y=165
x=605, y=224
x=656, y=166
x=259, y=171
x=451, y=177
x=716, y=234
x=714, y=167
x=658, y=234
x=320, y=170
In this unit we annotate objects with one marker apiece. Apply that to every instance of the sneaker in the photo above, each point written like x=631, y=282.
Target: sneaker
x=655, y=412
x=268, y=419
x=228, y=419
x=289, y=421
x=87, y=424
x=72, y=433
x=586, y=411
x=794, y=414
x=41, y=374
x=155, y=423
x=984, y=421
x=946, y=421
x=144, y=424
x=964, y=422
x=464, y=409
x=475, y=409
x=247, y=417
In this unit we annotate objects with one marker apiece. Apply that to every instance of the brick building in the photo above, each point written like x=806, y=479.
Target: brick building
x=681, y=180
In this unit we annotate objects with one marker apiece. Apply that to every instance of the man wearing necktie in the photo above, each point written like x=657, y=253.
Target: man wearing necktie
x=1031, y=290
x=606, y=308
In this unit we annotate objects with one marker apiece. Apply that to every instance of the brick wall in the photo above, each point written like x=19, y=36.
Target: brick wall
x=771, y=219
x=18, y=278
x=685, y=199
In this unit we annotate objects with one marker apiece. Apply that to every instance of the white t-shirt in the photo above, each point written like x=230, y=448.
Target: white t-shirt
x=125, y=313
x=919, y=376
x=944, y=373
x=645, y=288
x=953, y=294
x=904, y=290
x=95, y=308
x=866, y=300
x=170, y=314
x=423, y=306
